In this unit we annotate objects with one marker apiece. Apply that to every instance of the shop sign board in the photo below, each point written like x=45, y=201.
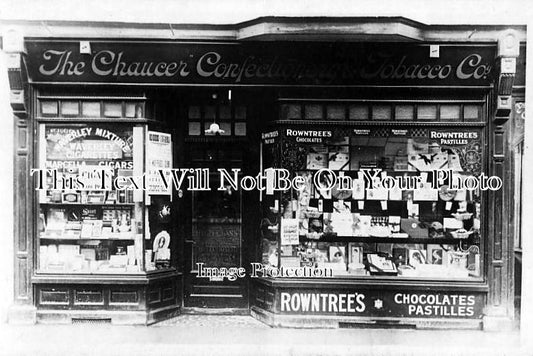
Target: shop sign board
x=259, y=63
x=382, y=303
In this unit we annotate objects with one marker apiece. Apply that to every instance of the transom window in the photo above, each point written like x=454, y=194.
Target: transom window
x=381, y=111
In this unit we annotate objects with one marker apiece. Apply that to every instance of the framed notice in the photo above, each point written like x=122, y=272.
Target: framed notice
x=158, y=159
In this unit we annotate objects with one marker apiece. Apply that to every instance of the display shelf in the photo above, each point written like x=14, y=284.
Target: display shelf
x=117, y=278
x=387, y=240
x=384, y=282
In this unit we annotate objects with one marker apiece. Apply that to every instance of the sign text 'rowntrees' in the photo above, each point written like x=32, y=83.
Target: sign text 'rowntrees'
x=383, y=303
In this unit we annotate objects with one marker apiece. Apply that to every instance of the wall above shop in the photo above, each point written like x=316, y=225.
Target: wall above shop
x=353, y=29
x=454, y=12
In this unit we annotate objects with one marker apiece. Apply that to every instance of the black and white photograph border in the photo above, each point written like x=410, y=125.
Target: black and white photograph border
x=129, y=87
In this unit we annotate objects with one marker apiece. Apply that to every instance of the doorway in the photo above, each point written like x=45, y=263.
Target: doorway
x=215, y=242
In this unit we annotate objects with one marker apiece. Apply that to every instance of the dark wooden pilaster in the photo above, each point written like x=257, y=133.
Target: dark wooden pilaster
x=499, y=312
x=23, y=309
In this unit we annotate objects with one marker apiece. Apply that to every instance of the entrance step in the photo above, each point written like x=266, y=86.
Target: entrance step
x=215, y=311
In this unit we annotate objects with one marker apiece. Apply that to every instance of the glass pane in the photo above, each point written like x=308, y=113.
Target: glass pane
x=472, y=112
x=381, y=112
x=194, y=112
x=91, y=108
x=113, y=109
x=313, y=112
x=130, y=110
x=450, y=112
x=225, y=112
x=291, y=112
x=210, y=113
x=427, y=112
x=336, y=112
x=358, y=112
x=70, y=108
x=194, y=128
x=240, y=113
x=49, y=108
x=240, y=129
x=404, y=112
x=226, y=127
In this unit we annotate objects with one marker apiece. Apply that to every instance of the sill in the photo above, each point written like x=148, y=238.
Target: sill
x=103, y=278
x=379, y=282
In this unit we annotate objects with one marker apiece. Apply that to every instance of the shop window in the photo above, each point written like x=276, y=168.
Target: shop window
x=358, y=112
x=49, y=108
x=92, y=229
x=427, y=112
x=91, y=109
x=450, y=112
x=404, y=112
x=430, y=233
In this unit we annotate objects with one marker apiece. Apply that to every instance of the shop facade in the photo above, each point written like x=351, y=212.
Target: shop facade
x=397, y=105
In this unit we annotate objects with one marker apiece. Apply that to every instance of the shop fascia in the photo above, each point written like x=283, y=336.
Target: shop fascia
x=108, y=63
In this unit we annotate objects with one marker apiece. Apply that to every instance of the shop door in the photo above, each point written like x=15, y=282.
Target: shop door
x=215, y=242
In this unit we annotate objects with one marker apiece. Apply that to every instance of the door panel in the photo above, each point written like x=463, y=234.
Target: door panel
x=215, y=241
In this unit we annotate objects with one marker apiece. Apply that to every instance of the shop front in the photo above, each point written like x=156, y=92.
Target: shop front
x=135, y=164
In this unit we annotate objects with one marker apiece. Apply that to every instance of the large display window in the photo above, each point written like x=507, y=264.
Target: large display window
x=94, y=213
x=413, y=223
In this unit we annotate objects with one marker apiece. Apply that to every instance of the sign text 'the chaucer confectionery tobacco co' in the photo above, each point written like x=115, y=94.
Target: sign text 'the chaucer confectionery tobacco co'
x=256, y=64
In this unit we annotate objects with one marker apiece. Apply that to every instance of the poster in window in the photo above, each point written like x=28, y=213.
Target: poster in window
x=158, y=157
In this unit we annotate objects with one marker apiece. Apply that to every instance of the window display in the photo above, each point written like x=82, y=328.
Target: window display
x=91, y=219
x=86, y=226
x=397, y=214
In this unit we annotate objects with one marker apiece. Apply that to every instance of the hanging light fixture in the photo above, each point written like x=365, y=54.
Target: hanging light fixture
x=214, y=129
